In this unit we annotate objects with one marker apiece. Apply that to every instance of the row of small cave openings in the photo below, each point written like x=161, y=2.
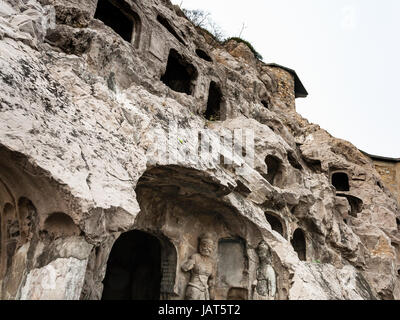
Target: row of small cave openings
x=275, y=168
x=17, y=224
x=340, y=180
x=298, y=239
x=180, y=74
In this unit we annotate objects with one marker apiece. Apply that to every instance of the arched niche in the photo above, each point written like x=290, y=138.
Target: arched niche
x=203, y=55
x=28, y=184
x=182, y=204
x=299, y=244
x=134, y=268
x=340, y=180
x=276, y=223
x=274, y=167
x=27, y=192
x=120, y=17
x=214, y=103
x=141, y=266
x=58, y=225
x=167, y=25
x=180, y=75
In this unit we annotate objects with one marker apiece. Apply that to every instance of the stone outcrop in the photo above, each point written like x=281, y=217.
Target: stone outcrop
x=93, y=206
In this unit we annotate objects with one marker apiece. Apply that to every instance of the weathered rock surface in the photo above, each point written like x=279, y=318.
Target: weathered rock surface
x=83, y=116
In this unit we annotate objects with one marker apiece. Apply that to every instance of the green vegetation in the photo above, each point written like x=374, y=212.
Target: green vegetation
x=202, y=20
x=205, y=23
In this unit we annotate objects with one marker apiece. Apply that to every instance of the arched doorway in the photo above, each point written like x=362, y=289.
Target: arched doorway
x=299, y=244
x=120, y=17
x=274, y=166
x=134, y=268
x=275, y=223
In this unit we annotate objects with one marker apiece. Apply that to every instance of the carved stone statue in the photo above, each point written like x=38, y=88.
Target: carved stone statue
x=264, y=288
x=202, y=268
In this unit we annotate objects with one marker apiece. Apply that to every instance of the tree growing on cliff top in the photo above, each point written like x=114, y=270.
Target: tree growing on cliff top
x=203, y=20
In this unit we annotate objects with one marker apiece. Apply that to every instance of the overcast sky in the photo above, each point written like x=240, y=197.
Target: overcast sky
x=346, y=52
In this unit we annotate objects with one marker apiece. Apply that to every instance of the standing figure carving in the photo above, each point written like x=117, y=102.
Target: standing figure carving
x=264, y=288
x=202, y=268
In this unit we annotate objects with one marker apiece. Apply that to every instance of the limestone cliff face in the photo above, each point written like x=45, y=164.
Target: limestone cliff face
x=90, y=88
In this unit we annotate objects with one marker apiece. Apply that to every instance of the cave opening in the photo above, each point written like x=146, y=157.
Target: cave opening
x=265, y=104
x=356, y=205
x=299, y=244
x=340, y=181
x=165, y=23
x=274, y=165
x=59, y=224
x=213, y=112
x=275, y=223
x=119, y=17
x=134, y=268
x=180, y=75
x=293, y=161
x=203, y=55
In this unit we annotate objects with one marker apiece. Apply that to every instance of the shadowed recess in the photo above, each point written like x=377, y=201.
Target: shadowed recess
x=119, y=16
x=203, y=55
x=275, y=223
x=213, y=112
x=180, y=74
x=274, y=165
x=299, y=244
x=134, y=268
x=165, y=23
x=340, y=181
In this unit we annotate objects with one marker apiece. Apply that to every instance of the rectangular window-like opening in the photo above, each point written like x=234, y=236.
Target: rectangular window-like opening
x=112, y=15
x=180, y=74
x=213, y=112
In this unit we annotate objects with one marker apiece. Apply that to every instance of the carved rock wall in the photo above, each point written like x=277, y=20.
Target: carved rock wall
x=81, y=109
